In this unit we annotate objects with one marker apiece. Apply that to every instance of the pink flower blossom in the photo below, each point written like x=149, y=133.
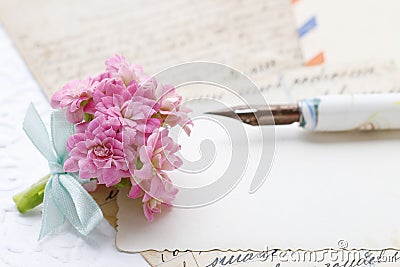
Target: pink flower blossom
x=136, y=190
x=74, y=96
x=161, y=191
x=103, y=99
x=150, y=207
x=158, y=154
x=150, y=180
x=132, y=107
x=98, y=152
x=117, y=66
x=158, y=190
x=171, y=108
x=148, y=83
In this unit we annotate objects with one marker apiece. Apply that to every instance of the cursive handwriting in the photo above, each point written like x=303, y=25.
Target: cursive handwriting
x=243, y=258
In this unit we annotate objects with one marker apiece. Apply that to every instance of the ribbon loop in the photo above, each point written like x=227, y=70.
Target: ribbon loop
x=64, y=196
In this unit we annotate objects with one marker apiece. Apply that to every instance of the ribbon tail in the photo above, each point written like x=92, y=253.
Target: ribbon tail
x=52, y=217
x=61, y=130
x=37, y=132
x=76, y=204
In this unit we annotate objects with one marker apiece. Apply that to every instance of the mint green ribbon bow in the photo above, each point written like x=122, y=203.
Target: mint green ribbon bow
x=64, y=195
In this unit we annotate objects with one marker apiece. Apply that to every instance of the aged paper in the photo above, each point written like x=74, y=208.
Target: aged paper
x=64, y=40
x=275, y=258
x=291, y=85
x=106, y=198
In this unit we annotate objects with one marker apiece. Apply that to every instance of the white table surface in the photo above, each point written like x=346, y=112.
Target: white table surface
x=20, y=165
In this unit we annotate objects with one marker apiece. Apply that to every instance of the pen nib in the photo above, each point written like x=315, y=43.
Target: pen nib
x=243, y=114
x=260, y=115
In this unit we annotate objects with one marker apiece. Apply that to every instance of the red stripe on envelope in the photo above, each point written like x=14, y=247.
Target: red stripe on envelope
x=316, y=60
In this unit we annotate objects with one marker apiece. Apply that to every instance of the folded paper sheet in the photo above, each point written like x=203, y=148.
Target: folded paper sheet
x=322, y=188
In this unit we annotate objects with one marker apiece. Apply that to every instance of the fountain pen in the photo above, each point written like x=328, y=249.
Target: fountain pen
x=325, y=113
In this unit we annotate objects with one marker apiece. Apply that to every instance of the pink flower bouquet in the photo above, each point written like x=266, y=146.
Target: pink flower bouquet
x=122, y=120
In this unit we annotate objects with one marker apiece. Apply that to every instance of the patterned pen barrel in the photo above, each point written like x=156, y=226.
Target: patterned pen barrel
x=326, y=113
x=351, y=112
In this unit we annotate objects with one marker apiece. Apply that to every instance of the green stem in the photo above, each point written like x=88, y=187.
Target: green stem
x=124, y=182
x=31, y=197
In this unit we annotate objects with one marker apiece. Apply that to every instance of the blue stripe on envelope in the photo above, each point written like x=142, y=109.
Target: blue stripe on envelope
x=308, y=26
